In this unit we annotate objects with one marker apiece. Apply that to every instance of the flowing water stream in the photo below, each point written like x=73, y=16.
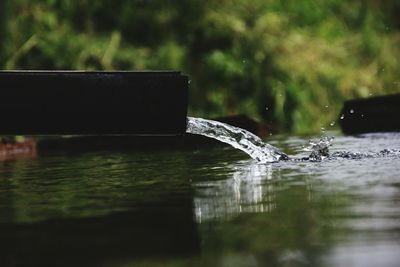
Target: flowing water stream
x=265, y=153
x=236, y=137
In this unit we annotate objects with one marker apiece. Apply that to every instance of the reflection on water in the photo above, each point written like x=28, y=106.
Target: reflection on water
x=267, y=217
x=160, y=229
x=91, y=208
x=212, y=207
x=245, y=191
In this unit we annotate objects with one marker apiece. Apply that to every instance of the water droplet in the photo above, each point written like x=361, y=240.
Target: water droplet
x=362, y=115
x=266, y=108
x=351, y=111
x=326, y=106
x=342, y=117
x=332, y=123
x=190, y=81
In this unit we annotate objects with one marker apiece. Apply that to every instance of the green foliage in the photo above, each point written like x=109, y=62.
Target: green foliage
x=290, y=63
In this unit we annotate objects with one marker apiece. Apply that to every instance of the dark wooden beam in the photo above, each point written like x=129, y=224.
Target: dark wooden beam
x=375, y=114
x=69, y=102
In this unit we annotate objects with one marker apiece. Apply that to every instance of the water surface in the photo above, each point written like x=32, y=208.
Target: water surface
x=213, y=206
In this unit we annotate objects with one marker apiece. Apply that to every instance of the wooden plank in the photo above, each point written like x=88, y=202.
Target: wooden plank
x=375, y=114
x=77, y=102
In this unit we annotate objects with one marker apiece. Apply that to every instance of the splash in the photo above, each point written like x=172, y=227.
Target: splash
x=265, y=153
x=357, y=155
x=319, y=150
x=236, y=137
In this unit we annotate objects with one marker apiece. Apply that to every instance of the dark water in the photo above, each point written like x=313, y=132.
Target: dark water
x=204, y=207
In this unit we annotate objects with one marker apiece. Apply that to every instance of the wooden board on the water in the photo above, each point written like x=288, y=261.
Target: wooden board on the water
x=375, y=114
x=78, y=102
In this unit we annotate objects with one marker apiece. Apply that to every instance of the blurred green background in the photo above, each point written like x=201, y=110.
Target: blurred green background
x=288, y=63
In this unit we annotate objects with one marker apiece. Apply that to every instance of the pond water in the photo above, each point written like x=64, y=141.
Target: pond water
x=212, y=206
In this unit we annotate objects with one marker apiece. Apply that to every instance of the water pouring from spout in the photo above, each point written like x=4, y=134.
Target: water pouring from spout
x=236, y=137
